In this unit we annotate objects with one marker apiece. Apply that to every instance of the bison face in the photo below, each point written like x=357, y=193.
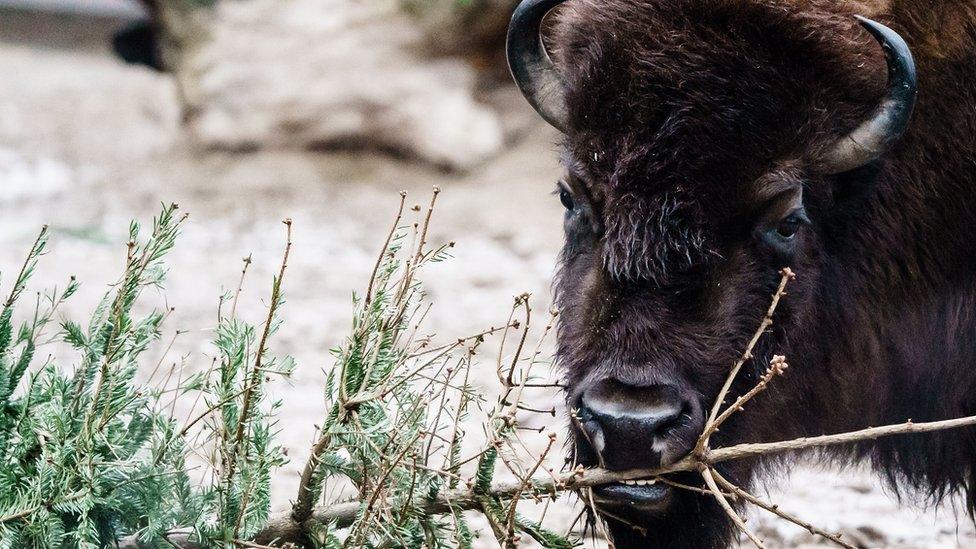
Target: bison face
x=707, y=146
x=658, y=296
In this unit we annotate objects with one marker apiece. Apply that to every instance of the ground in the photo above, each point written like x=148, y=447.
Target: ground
x=87, y=143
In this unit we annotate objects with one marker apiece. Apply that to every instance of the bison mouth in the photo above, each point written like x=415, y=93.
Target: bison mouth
x=633, y=497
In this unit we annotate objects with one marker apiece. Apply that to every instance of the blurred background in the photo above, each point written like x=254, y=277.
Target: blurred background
x=249, y=111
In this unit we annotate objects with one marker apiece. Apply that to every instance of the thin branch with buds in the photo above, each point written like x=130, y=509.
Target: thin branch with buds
x=712, y=425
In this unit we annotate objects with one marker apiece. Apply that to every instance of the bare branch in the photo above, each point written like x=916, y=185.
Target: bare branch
x=772, y=508
x=739, y=522
x=767, y=321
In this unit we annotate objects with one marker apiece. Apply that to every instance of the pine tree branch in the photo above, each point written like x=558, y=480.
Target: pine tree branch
x=21, y=279
x=256, y=372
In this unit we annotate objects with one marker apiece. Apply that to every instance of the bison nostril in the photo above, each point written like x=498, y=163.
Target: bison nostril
x=591, y=429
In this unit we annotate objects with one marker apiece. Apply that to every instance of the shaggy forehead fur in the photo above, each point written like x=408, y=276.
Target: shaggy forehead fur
x=679, y=106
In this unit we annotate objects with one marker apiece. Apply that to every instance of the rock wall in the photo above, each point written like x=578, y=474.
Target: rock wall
x=330, y=74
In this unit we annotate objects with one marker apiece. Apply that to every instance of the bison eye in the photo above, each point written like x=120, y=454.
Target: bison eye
x=566, y=198
x=788, y=227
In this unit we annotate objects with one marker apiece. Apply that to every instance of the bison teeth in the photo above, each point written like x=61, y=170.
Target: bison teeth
x=639, y=482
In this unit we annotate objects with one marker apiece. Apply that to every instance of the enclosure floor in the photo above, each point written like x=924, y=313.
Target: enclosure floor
x=87, y=143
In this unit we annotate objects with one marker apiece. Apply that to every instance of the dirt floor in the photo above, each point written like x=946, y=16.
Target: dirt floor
x=87, y=143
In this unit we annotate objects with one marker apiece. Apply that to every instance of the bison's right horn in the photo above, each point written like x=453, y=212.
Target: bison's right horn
x=874, y=137
x=531, y=67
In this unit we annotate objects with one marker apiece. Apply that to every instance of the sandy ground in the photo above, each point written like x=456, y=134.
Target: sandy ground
x=87, y=143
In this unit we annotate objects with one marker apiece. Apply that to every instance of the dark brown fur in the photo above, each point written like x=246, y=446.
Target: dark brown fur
x=694, y=128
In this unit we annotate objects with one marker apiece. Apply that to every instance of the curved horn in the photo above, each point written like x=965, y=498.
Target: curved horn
x=531, y=67
x=873, y=137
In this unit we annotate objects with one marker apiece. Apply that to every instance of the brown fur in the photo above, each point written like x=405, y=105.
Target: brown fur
x=694, y=129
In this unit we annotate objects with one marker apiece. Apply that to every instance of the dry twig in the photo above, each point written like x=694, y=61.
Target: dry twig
x=711, y=425
x=775, y=509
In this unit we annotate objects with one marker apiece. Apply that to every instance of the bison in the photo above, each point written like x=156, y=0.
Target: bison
x=710, y=143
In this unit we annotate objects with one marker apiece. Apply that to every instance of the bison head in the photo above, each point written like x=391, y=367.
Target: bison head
x=706, y=145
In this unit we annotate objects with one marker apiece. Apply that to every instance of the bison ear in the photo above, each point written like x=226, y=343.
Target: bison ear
x=873, y=137
x=531, y=67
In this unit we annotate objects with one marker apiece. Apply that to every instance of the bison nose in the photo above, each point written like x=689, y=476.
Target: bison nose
x=635, y=427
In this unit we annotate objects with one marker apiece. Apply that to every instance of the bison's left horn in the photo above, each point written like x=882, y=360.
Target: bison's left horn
x=531, y=67
x=872, y=138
